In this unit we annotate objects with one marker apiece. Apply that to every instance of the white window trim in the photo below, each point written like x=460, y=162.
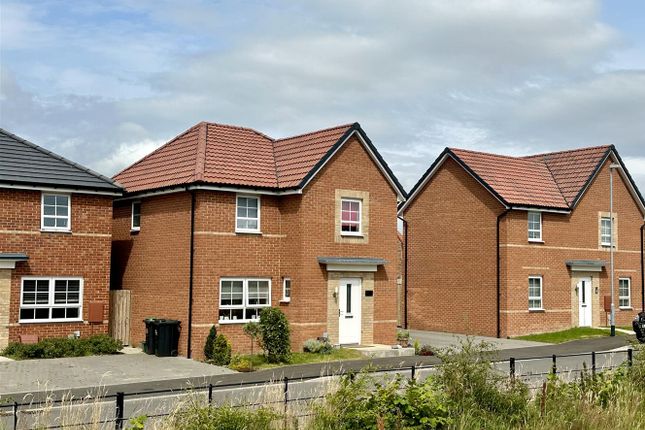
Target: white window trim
x=132, y=227
x=286, y=299
x=629, y=293
x=360, y=217
x=51, y=304
x=245, y=298
x=541, y=308
x=534, y=239
x=249, y=230
x=42, y=212
x=611, y=227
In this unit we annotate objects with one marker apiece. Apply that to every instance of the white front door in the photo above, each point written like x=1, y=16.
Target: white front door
x=349, y=311
x=584, y=300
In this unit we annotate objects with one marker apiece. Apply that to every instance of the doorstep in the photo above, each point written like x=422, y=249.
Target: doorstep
x=382, y=351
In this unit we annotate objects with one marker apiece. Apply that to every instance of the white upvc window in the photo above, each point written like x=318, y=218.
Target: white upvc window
x=350, y=217
x=136, y=216
x=605, y=231
x=247, y=214
x=56, y=212
x=624, y=293
x=535, y=293
x=286, y=290
x=51, y=299
x=535, y=226
x=242, y=299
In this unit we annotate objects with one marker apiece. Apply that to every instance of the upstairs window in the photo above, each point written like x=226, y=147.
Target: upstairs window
x=136, y=216
x=242, y=299
x=535, y=226
x=605, y=231
x=51, y=299
x=286, y=290
x=56, y=212
x=247, y=218
x=624, y=293
x=535, y=293
x=350, y=217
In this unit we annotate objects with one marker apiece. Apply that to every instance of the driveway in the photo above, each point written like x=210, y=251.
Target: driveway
x=99, y=371
x=445, y=340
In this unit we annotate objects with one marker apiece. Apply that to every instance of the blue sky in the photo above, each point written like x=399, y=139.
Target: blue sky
x=105, y=82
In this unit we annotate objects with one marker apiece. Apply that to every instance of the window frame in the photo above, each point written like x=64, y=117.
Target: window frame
x=611, y=222
x=257, y=230
x=132, y=226
x=286, y=298
x=245, y=300
x=51, y=297
x=529, y=230
x=360, y=217
x=540, y=297
x=628, y=296
x=42, y=212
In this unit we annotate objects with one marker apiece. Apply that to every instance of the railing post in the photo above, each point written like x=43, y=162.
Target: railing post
x=511, y=365
x=630, y=357
x=15, y=415
x=593, y=363
x=414, y=372
x=286, y=400
x=210, y=394
x=554, y=368
x=120, y=400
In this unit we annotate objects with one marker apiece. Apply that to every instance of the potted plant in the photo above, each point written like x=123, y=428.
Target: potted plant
x=403, y=337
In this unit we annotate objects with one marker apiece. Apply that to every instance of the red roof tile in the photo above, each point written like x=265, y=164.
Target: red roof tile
x=230, y=155
x=550, y=180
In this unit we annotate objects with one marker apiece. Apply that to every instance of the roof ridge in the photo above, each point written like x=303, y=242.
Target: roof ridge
x=60, y=158
x=584, y=148
x=555, y=181
x=492, y=154
x=200, y=157
x=145, y=157
x=239, y=127
x=316, y=131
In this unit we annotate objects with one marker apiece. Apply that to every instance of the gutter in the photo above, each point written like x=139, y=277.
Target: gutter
x=190, y=276
x=499, y=293
x=405, y=272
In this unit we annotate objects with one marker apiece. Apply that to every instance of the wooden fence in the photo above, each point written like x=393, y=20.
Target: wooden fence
x=120, y=315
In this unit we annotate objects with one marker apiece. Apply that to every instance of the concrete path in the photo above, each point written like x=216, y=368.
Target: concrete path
x=453, y=340
x=98, y=371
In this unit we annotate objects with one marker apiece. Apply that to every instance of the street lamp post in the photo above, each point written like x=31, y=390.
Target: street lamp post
x=611, y=244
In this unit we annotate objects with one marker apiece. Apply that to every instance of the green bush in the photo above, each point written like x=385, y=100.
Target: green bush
x=274, y=329
x=241, y=364
x=99, y=344
x=208, y=346
x=316, y=346
x=197, y=417
x=221, y=352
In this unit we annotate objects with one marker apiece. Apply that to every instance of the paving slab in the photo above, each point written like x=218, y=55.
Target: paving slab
x=453, y=340
x=98, y=371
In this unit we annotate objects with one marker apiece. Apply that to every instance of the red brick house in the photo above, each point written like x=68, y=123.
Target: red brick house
x=223, y=220
x=505, y=246
x=55, y=235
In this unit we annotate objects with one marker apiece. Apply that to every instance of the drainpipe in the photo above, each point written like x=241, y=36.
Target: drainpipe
x=642, y=273
x=190, y=275
x=405, y=272
x=499, y=288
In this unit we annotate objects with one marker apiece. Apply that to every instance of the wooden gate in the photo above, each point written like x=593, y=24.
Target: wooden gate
x=120, y=315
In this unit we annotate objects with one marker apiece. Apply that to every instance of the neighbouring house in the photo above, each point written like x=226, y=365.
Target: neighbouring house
x=506, y=246
x=55, y=239
x=222, y=221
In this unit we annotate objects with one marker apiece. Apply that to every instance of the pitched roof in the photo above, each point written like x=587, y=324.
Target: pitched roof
x=226, y=155
x=554, y=180
x=23, y=163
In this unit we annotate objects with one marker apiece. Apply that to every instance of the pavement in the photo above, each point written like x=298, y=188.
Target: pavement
x=452, y=340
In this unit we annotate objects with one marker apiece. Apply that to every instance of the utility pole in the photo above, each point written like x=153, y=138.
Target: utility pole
x=611, y=244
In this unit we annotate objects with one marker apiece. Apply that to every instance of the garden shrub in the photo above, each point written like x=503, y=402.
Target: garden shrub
x=316, y=346
x=210, y=340
x=100, y=344
x=252, y=330
x=241, y=364
x=198, y=417
x=274, y=329
x=425, y=350
x=221, y=352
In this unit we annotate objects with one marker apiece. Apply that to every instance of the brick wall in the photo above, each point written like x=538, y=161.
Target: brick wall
x=83, y=253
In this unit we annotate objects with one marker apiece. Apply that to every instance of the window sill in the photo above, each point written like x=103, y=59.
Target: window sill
x=285, y=301
x=258, y=232
x=57, y=321
x=626, y=308
x=536, y=241
x=541, y=310
x=135, y=231
x=358, y=235
x=53, y=230
x=237, y=321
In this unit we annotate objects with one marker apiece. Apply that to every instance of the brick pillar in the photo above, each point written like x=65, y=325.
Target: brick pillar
x=5, y=300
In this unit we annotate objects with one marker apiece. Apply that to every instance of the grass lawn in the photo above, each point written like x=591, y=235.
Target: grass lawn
x=574, y=333
x=337, y=354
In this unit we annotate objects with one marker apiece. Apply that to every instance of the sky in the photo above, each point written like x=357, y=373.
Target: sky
x=106, y=82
